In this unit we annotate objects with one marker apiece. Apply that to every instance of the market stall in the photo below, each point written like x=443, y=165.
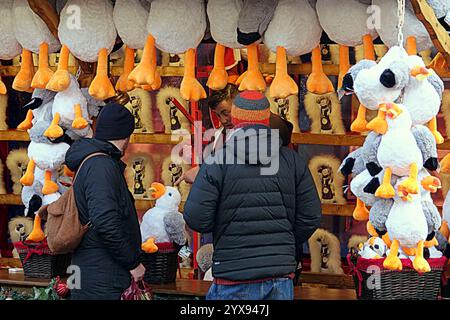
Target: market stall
x=162, y=68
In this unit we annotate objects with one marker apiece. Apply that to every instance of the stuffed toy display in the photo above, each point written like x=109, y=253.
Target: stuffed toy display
x=34, y=36
x=327, y=178
x=91, y=41
x=140, y=105
x=163, y=223
x=171, y=171
x=17, y=162
x=10, y=47
x=174, y=121
x=287, y=108
x=325, y=252
x=174, y=26
x=133, y=35
x=205, y=260
x=139, y=174
x=397, y=155
x=294, y=30
x=39, y=108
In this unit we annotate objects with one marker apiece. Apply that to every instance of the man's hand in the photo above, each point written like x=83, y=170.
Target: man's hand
x=138, y=272
x=189, y=176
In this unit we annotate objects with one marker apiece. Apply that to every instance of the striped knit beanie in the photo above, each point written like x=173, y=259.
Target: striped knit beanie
x=249, y=108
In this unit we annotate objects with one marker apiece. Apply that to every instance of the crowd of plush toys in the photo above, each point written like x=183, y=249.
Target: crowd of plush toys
x=391, y=171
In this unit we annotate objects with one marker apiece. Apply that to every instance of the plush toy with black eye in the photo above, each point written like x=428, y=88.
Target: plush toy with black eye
x=163, y=223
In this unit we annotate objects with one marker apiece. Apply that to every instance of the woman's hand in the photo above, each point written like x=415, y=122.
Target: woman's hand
x=138, y=272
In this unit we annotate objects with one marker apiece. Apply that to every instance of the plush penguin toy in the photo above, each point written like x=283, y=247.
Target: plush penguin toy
x=163, y=223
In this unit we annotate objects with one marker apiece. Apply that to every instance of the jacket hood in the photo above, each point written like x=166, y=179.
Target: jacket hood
x=84, y=147
x=256, y=144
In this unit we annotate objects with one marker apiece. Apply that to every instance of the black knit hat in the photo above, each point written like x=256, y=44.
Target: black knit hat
x=115, y=122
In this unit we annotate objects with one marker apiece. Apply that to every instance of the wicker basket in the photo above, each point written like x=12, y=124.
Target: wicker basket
x=162, y=266
x=394, y=285
x=39, y=262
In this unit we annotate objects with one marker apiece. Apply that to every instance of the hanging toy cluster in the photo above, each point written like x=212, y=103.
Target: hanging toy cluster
x=391, y=170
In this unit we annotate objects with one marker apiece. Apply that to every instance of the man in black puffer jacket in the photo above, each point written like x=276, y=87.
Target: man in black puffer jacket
x=259, y=200
x=110, y=251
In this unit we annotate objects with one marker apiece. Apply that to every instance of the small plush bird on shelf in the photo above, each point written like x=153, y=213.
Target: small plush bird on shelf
x=163, y=223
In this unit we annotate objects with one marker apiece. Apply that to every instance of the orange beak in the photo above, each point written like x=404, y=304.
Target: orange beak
x=157, y=189
x=420, y=73
x=392, y=110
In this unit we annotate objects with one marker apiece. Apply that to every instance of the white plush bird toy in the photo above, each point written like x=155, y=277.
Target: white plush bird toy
x=294, y=30
x=163, y=223
x=421, y=97
x=398, y=152
x=10, y=47
x=133, y=35
x=69, y=112
x=407, y=228
x=89, y=34
x=35, y=37
x=174, y=26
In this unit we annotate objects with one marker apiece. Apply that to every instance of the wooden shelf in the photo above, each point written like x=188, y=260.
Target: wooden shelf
x=11, y=199
x=301, y=69
x=164, y=71
x=146, y=138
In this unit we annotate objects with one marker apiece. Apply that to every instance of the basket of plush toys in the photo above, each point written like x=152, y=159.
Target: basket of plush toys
x=393, y=174
x=163, y=235
x=375, y=282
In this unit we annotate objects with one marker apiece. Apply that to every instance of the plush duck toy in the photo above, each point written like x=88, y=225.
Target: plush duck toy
x=294, y=30
x=39, y=108
x=35, y=37
x=133, y=35
x=174, y=26
x=46, y=156
x=407, y=228
x=9, y=47
x=346, y=24
x=163, y=223
x=421, y=97
x=253, y=21
x=223, y=18
x=91, y=41
x=69, y=111
x=398, y=152
x=376, y=85
x=414, y=30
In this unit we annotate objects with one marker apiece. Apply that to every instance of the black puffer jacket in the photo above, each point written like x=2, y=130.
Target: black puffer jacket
x=112, y=246
x=259, y=222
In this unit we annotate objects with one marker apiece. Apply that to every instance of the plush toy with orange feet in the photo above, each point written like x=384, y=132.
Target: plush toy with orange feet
x=35, y=37
x=133, y=35
x=177, y=27
x=39, y=108
x=92, y=40
x=69, y=112
x=163, y=223
x=290, y=39
x=46, y=156
x=9, y=47
x=223, y=17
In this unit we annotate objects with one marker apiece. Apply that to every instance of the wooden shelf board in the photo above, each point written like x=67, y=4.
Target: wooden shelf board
x=164, y=71
x=438, y=34
x=302, y=69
